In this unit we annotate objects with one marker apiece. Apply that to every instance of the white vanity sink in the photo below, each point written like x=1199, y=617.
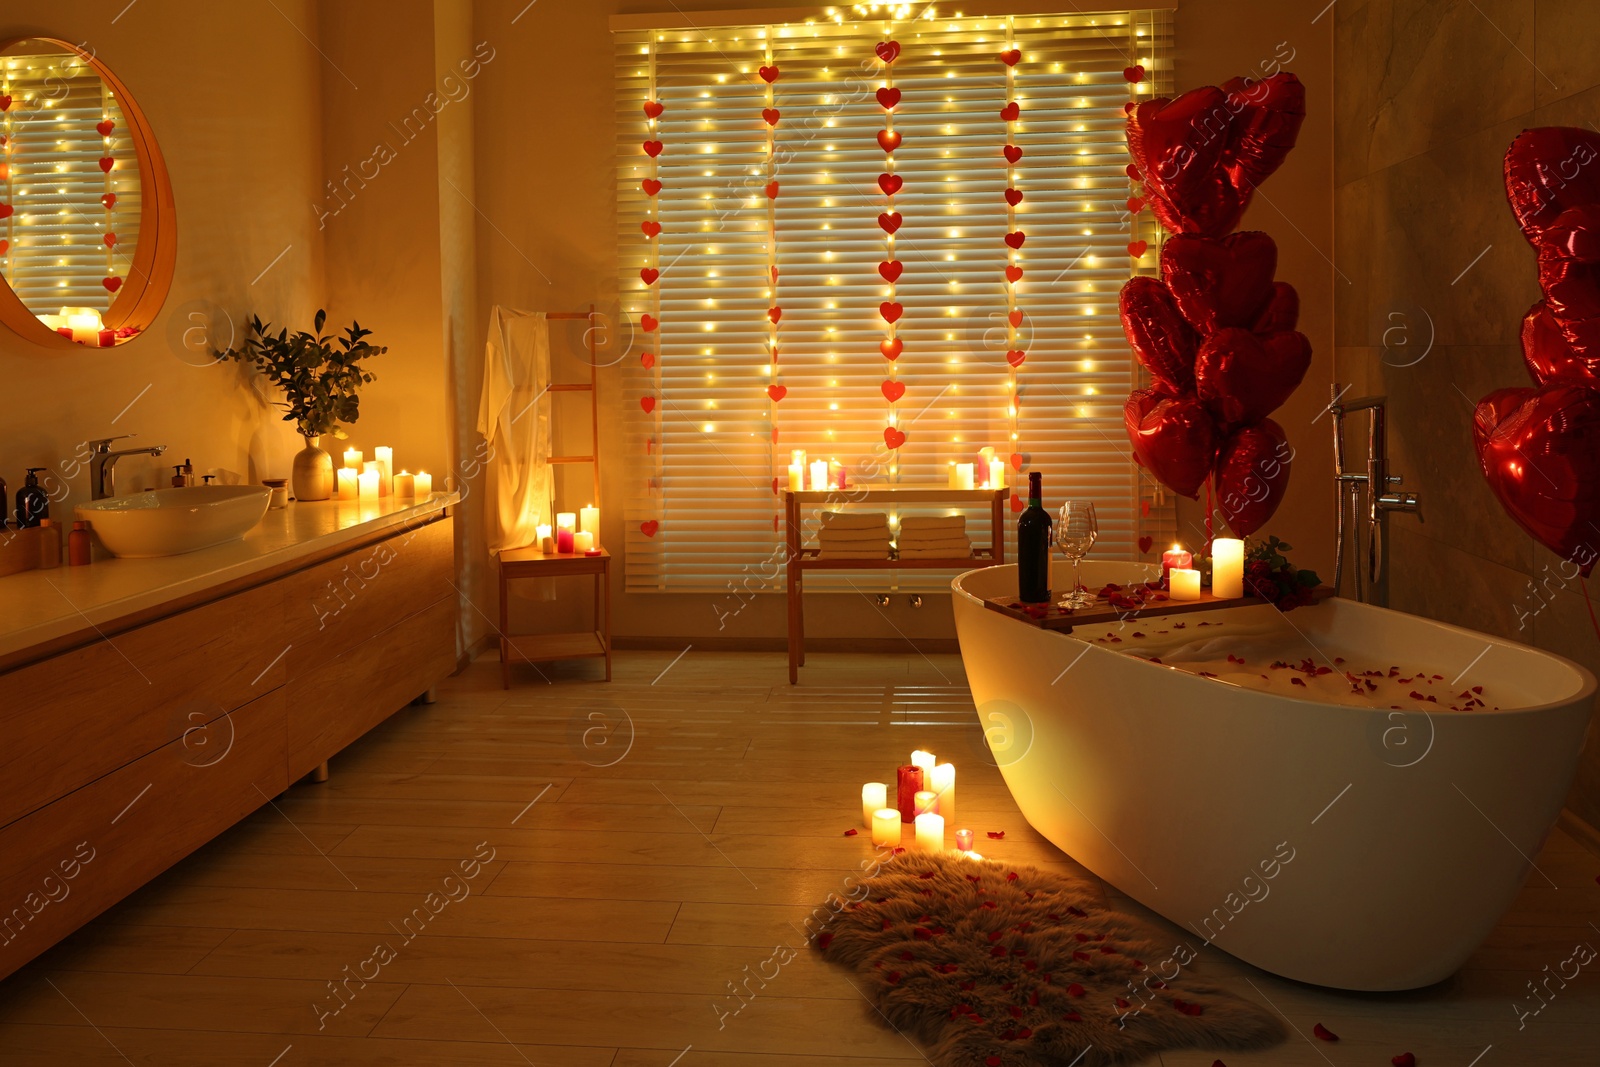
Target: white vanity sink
x=168, y=522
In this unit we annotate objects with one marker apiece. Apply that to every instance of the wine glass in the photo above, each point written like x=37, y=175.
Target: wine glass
x=1076, y=532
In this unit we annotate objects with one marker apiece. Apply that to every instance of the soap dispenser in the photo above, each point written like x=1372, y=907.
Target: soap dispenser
x=33, y=503
x=177, y=476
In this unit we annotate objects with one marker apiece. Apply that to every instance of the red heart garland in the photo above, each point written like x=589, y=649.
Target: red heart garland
x=1173, y=437
x=890, y=221
x=1145, y=542
x=5, y=102
x=891, y=183
x=111, y=284
x=891, y=311
x=110, y=239
x=1016, y=358
x=105, y=126
x=1013, y=274
x=650, y=228
x=1252, y=474
x=1016, y=461
x=651, y=186
x=888, y=140
x=1012, y=153
x=1137, y=249
x=774, y=275
x=892, y=348
x=1011, y=112
x=889, y=97
x=772, y=190
x=106, y=163
x=654, y=108
x=1133, y=74
x=1135, y=205
x=1016, y=238
x=109, y=200
x=1011, y=58
x=648, y=403
x=1016, y=503
x=648, y=359
x=888, y=51
x=648, y=323
x=1013, y=197
x=1015, y=319
x=777, y=392
x=893, y=437
x=6, y=211
x=648, y=274
x=891, y=270
x=771, y=114
x=774, y=314
x=649, y=528
x=5, y=246
x=1132, y=171
x=653, y=148
x=769, y=74
x=893, y=390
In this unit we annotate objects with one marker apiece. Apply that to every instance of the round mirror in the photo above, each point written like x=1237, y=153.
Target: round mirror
x=87, y=241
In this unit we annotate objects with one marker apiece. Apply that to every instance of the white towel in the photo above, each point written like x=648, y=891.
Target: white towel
x=843, y=520
x=829, y=535
x=514, y=418
x=933, y=522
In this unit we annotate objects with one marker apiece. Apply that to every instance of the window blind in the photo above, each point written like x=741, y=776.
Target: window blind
x=713, y=448
x=56, y=255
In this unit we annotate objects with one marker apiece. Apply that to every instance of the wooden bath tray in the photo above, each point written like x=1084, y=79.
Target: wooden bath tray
x=1101, y=613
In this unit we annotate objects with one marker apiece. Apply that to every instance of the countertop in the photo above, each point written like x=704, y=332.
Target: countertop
x=41, y=606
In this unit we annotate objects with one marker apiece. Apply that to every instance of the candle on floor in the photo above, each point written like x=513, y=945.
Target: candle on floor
x=1175, y=556
x=589, y=521
x=348, y=486
x=566, y=526
x=424, y=484
x=819, y=475
x=964, y=840
x=1227, y=568
x=583, y=541
x=405, y=486
x=943, y=783
x=925, y=801
x=1184, y=583
x=367, y=486
x=797, y=478
x=874, y=796
x=547, y=543
x=352, y=458
x=997, y=474
x=965, y=474
x=908, y=783
x=930, y=832
x=886, y=828
x=385, y=457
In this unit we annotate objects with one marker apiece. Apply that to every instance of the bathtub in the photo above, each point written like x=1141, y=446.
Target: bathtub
x=1342, y=846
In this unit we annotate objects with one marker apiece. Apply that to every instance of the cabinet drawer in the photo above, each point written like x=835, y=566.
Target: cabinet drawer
x=68, y=862
x=71, y=718
x=331, y=706
x=333, y=607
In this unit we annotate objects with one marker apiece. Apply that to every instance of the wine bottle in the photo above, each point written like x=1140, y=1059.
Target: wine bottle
x=1033, y=546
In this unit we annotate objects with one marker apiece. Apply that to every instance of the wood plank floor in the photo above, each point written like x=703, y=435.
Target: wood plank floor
x=575, y=874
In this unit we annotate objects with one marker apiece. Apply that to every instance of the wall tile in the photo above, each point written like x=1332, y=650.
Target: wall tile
x=1352, y=256
x=1427, y=577
x=1351, y=109
x=1564, y=39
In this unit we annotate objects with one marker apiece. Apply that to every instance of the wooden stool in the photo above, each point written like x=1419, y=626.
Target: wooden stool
x=531, y=563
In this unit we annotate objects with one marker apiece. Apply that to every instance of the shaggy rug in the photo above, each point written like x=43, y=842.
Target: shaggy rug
x=991, y=965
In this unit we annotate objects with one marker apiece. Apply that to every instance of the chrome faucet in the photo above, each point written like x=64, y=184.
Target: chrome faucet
x=103, y=467
x=1376, y=481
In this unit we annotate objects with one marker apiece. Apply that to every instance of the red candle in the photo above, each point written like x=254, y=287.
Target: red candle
x=108, y=338
x=908, y=783
x=1175, y=557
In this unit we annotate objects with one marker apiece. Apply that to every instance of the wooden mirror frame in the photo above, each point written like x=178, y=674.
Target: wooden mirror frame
x=149, y=276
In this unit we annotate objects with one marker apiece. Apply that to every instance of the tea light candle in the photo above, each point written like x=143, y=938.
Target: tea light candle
x=797, y=478
x=583, y=541
x=908, y=783
x=352, y=458
x=819, y=475
x=367, y=486
x=965, y=476
x=347, y=483
x=1227, y=568
x=385, y=458
x=1175, y=556
x=547, y=543
x=1184, y=583
x=964, y=840
x=925, y=801
x=566, y=523
x=943, y=783
x=997, y=474
x=405, y=486
x=886, y=828
x=930, y=832
x=589, y=521
x=874, y=796
x=424, y=484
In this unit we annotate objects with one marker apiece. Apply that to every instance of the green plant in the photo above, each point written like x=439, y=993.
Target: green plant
x=319, y=375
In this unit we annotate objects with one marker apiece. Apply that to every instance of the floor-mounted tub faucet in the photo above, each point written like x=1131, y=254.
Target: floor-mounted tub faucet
x=103, y=467
x=1375, y=484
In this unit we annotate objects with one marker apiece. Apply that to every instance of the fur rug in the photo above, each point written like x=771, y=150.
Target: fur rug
x=991, y=965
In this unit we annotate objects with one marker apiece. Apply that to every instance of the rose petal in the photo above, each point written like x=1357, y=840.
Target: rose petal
x=1405, y=1059
x=997, y=835
x=850, y=833
x=1324, y=1033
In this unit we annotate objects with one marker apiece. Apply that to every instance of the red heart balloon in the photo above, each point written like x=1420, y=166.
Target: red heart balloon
x=1013, y=274
x=769, y=74
x=650, y=186
x=890, y=221
x=777, y=392
x=1016, y=357
x=1220, y=282
x=888, y=140
x=892, y=348
x=1013, y=197
x=1244, y=378
x=1546, y=172
x=893, y=437
x=1282, y=311
x=1016, y=238
x=1012, y=153
x=891, y=270
x=652, y=148
x=1569, y=274
x=649, y=527
x=111, y=284
x=891, y=311
x=1252, y=475
x=654, y=108
x=1177, y=147
x=650, y=228
x=889, y=97
x=105, y=126
x=648, y=275
x=1267, y=116
x=5, y=246
x=1011, y=57
x=888, y=51
x=891, y=183
x=1160, y=338
x=1548, y=356
x=893, y=390
x=1011, y=112
x=1173, y=437
x=648, y=403
x=771, y=114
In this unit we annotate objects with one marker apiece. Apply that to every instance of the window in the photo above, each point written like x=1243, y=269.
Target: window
x=713, y=446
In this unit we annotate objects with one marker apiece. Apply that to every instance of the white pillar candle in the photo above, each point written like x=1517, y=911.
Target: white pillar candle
x=1227, y=568
x=85, y=326
x=943, y=783
x=582, y=541
x=373, y=466
x=367, y=482
x=589, y=521
x=424, y=484
x=797, y=478
x=886, y=827
x=874, y=795
x=547, y=542
x=997, y=474
x=385, y=457
x=819, y=475
x=1185, y=583
x=930, y=832
x=924, y=801
x=797, y=458
x=965, y=475
x=955, y=476
x=964, y=840
x=347, y=483
x=352, y=458
x=924, y=759
x=405, y=486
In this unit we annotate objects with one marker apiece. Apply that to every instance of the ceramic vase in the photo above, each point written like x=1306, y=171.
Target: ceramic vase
x=311, y=478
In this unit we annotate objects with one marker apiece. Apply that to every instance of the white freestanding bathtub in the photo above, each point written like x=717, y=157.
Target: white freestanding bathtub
x=1345, y=846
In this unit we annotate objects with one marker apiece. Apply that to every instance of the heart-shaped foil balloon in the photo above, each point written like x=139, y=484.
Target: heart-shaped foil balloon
x=1282, y=311
x=1220, y=281
x=1177, y=146
x=1244, y=378
x=1548, y=356
x=1173, y=437
x=1160, y=337
x=1252, y=475
x=1267, y=115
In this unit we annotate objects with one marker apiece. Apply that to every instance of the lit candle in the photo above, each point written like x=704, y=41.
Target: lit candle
x=566, y=523
x=943, y=783
x=908, y=783
x=965, y=475
x=930, y=832
x=925, y=801
x=797, y=478
x=964, y=840
x=372, y=466
x=835, y=475
x=347, y=483
x=874, y=795
x=1175, y=556
x=997, y=474
x=797, y=458
x=547, y=543
x=367, y=481
x=955, y=476
x=583, y=541
x=819, y=475
x=1227, y=568
x=589, y=521
x=385, y=457
x=405, y=486
x=1185, y=583
x=85, y=325
x=352, y=458
x=424, y=484
x=886, y=828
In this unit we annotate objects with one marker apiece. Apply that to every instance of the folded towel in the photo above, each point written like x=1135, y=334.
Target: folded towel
x=951, y=544
x=935, y=553
x=933, y=522
x=842, y=553
x=830, y=535
x=879, y=546
x=844, y=520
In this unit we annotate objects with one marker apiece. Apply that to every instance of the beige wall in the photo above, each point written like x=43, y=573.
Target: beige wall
x=1430, y=95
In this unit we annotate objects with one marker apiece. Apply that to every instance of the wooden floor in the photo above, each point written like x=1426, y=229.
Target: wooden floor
x=654, y=842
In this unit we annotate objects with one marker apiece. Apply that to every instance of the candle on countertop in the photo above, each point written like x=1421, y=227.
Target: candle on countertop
x=547, y=543
x=352, y=458
x=886, y=828
x=874, y=796
x=1227, y=568
x=943, y=783
x=583, y=541
x=835, y=474
x=424, y=484
x=108, y=338
x=385, y=457
x=819, y=475
x=964, y=840
x=367, y=486
x=566, y=527
x=797, y=478
x=589, y=521
x=908, y=783
x=924, y=801
x=965, y=475
x=405, y=486
x=1184, y=583
x=1176, y=556
x=86, y=326
x=373, y=467
x=997, y=474
x=348, y=486
x=930, y=832
x=955, y=476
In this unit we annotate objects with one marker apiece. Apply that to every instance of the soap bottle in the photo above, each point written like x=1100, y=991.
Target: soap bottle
x=177, y=476
x=50, y=546
x=78, y=544
x=33, y=503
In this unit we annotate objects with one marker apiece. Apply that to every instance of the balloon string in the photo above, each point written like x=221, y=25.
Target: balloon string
x=1588, y=604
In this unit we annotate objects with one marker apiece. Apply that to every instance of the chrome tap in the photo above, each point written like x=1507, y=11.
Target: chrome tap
x=103, y=466
x=1376, y=482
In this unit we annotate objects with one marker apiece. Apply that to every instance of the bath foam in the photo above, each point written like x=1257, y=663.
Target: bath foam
x=1272, y=655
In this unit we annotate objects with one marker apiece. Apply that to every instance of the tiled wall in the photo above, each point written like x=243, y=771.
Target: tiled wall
x=1433, y=278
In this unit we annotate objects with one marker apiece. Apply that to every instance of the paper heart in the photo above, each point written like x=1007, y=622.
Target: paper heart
x=774, y=314
x=106, y=163
x=1016, y=357
x=1243, y=378
x=648, y=403
x=769, y=74
x=1135, y=205
x=5, y=102
x=889, y=97
x=648, y=275
x=651, y=186
x=5, y=246
x=1133, y=74
x=652, y=148
x=1016, y=238
x=1014, y=197
x=1220, y=282
x=648, y=323
x=771, y=114
x=888, y=140
x=1145, y=542
x=648, y=359
x=1132, y=171
x=892, y=348
x=649, y=528
x=774, y=274
x=111, y=284
x=6, y=211
x=772, y=190
x=1162, y=341
x=1016, y=461
x=1547, y=354
x=891, y=183
x=109, y=200
x=1013, y=274
x=890, y=221
x=650, y=228
x=1282, y=311
x=654, y=108
x=891, y=270
x=891, y=311
x=105, y=126
x=1173, y=437
x=777, y=392
x=1011, y=57
x=893, y=437
x=1012, y=153
x=888, y=51
x=1540, y=452
x=1011, y=112
x=1015, y=319
x=1016, y=503
x=1252, y=474
x=893, y=390
x=1137, y=249
x=110, y=239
